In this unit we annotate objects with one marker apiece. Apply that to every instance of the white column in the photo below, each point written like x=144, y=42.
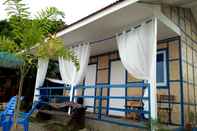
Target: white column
x=152, y=81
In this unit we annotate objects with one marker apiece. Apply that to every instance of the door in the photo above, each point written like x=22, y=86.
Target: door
x=90, y=79
x=117, y=76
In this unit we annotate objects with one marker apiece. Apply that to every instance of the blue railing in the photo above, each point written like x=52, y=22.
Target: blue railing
x=97, y=108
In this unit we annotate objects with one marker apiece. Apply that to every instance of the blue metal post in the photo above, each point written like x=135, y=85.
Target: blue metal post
x=181, y=85
x=149, y=105
x=49, y=95
x=73, y=93
x=100, y=104
x=126, y=94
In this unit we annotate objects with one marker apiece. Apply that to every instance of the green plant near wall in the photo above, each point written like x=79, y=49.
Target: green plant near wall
x=27, y=33
x=193, y=119
x=156, y=125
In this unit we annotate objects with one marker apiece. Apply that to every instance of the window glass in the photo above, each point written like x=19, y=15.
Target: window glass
x=161, y=68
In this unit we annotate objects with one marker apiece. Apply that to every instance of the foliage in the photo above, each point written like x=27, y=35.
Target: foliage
x=156, y=125
x=5, y=28
x=7, y=45
x=55, y=48
x=193, y=118
x=53, y=70
x=46, y=19
x=27, y=34
x=17, y=8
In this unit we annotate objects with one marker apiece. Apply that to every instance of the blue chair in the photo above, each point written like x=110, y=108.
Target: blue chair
x=22, y=120
x=9, y=109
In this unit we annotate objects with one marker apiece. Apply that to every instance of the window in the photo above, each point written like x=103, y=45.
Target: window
x=161, y=68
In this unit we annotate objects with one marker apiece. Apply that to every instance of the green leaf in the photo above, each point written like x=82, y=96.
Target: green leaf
x=7, y=45
x=53, y=48
x=50, y=13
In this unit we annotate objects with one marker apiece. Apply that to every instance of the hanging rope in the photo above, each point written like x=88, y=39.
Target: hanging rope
x=112, y=36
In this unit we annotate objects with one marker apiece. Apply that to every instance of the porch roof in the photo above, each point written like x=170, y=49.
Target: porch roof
x=114, y=20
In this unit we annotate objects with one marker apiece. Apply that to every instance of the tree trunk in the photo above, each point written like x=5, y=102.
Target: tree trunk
x=18, y=102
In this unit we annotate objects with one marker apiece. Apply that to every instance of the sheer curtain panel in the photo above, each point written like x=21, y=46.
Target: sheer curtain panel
x=137, y=49
x=40, y=77
x=68, y=71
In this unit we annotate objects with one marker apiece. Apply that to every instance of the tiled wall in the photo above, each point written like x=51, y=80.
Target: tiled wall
x=184, y=19
x=171, y=46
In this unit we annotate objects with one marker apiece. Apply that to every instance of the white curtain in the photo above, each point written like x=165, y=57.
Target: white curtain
x=137, y=49
x=40, y=77
x=68, y=71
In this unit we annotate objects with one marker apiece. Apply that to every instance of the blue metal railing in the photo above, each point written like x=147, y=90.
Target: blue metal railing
x=100, y=97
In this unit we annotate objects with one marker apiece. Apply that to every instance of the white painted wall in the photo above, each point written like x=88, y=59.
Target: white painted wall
x=90, y=79
x=117, y=76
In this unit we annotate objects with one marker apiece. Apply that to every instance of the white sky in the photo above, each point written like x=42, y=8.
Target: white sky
x=74, y=9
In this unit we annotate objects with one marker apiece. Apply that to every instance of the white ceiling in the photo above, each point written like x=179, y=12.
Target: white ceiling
x=110, y=45
x=111, y=24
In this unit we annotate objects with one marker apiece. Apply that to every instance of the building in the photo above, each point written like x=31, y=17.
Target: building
x=176, y=88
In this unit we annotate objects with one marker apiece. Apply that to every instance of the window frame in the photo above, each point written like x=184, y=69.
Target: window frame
x=165, y=83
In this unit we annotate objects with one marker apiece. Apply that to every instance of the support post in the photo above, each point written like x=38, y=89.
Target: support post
x=100, y=103
x=152, y=81
x=181, y=85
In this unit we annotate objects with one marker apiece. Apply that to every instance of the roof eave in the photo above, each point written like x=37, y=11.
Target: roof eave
x=92, y=17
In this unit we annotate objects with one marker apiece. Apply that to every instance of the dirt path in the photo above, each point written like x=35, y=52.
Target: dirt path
x=33, y=127
x=36, y=127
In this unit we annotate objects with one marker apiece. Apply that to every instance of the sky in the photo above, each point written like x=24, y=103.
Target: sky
x=73, y=9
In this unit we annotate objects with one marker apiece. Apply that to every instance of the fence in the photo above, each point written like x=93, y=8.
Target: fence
x=97, y=98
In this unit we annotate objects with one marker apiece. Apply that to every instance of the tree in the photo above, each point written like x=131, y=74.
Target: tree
x=6, y=28
x=27, y=33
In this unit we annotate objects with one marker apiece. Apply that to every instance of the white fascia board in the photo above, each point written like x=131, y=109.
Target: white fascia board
x=165, y=20
x=97, y=16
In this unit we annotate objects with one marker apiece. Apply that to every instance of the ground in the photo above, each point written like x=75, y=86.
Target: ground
x=60, y=125
x=35, y=126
